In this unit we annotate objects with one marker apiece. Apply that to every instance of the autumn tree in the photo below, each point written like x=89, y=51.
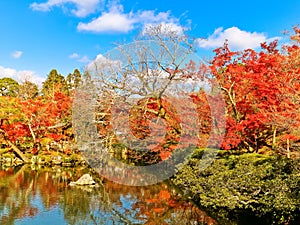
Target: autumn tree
x=290, y=119
x=260, y=89
x=29, y=120
x=140, y=98
x=138, y=78
x=296, y=35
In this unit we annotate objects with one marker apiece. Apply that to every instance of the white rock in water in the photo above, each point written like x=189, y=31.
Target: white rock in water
x=86, y=179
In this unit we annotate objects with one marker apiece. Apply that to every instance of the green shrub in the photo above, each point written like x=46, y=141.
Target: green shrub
x=265, y=187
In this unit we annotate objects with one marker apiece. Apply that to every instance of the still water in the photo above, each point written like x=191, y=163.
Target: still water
x=42, y=196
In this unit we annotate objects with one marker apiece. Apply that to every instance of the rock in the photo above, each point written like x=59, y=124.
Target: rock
x=86, y=179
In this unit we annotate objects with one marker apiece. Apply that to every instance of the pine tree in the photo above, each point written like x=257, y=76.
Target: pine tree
x=73, y=79
x=54, y=83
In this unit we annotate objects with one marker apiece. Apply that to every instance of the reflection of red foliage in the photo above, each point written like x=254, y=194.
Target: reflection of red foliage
x=26, y=185
x=154, y=204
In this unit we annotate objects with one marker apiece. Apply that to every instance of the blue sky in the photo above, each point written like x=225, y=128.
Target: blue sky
x=40, y=35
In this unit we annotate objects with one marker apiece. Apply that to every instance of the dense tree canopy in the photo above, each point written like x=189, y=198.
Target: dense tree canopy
x=28, y=90
x=29, y=119
x=9, y=87
x=261, y=92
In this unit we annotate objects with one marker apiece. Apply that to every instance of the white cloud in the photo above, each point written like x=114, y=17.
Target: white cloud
x=237, y=39
x=105, y=65
x=164, y=20
x=101, y=61
x=79, y=58
x=165, y=28
x=84, y=59
x=74, y=56
x=148, y=16
x=82, y=7
x=17, y=54
x=116, y=20
x=112, y=21
x=21, y=75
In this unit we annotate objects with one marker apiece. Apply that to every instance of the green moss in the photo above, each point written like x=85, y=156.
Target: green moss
x=249, y=184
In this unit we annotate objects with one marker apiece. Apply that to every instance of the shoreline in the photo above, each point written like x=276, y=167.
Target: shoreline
x=50, y=159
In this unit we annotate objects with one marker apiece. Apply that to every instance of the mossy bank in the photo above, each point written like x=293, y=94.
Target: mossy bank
x=238, y=189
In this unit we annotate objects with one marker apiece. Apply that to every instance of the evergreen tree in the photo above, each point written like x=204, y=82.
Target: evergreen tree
x=9, y=87
x=73, y=79
x=54, y=83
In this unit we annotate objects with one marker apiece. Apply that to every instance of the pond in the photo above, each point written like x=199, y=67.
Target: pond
x=42, y=196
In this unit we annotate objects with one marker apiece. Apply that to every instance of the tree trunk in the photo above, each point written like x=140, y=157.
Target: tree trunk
x=32, y=133
x=288, y=148
x=274, y=138
x=17, y=151
x=14, y=148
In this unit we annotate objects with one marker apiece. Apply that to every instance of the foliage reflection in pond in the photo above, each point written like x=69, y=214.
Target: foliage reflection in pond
x=31, y=196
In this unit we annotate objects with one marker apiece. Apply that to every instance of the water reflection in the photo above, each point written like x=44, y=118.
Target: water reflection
x=42, y=196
